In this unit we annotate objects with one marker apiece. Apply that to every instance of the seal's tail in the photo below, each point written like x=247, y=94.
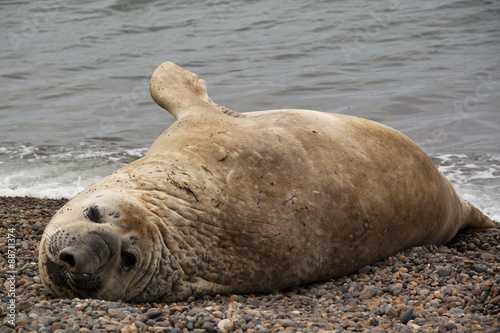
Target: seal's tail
x=474, y=218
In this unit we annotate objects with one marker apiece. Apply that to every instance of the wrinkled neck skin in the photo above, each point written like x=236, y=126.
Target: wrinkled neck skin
x=169, y=197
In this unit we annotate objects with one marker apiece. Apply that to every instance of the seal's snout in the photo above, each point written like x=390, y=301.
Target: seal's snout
x=81, y=255
x=78, y=262
x=89, y=251
x=81, y=269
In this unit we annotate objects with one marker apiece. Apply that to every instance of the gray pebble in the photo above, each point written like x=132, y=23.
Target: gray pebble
x=47, y=320
x=347, y=296
x=387, y=309
x=172, y=330
x=150, y=322
x=480, y=269
x=218, y=314
x=280, y=296
x=154, y=314
x=118, y=315
x=486, y=256
x=36, y=226
x=396, y=289
x=287, y=323
x=456, y=311
x=443, y=272
x=406, y=317
x=140, y=325
x=208, y=326
x=424, y=292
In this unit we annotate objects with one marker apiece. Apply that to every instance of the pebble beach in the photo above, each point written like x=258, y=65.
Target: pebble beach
x=450, y=288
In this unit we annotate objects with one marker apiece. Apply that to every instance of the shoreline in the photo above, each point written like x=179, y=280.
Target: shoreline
x=455, y=288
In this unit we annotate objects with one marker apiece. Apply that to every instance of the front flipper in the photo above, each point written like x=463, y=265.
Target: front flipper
x=181, y=92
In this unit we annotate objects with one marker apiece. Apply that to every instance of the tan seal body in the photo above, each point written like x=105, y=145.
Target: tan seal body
x=236, y=203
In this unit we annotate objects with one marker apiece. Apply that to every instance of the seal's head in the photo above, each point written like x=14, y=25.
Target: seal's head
x=106, y=247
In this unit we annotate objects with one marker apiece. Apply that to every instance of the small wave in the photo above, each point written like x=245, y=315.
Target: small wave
x=476, y=178
x=58, y=172
x=32, y=186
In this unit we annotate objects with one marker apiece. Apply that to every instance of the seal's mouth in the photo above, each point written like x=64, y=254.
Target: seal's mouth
x=84, y=281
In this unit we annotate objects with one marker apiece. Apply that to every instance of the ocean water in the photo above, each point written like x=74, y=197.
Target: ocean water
x=75, y=105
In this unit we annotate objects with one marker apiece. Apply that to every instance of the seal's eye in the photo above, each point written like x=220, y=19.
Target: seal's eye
x=92, y=214
x=128, y=261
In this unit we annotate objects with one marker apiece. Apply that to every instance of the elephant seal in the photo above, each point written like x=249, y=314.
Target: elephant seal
x=226, y=202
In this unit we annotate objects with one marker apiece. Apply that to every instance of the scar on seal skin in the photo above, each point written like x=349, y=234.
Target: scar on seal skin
x=227, y=202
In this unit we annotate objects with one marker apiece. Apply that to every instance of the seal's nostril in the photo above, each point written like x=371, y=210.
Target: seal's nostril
x=68, y=257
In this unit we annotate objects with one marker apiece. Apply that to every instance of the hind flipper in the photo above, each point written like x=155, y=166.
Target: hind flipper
x=474, y=218
x=182, y=93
